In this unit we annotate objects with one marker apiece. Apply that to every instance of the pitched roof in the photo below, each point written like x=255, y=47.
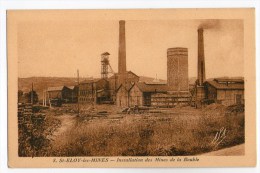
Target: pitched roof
x=126, y=87
x=173, y=94
x=59, y=88
x=71, y=87
x=152, y=88
x=230, y=80
x=93, y=80
x=156, y=82
x=226, y=85
x=150, y=80
x=132, y=73
x=128, y=72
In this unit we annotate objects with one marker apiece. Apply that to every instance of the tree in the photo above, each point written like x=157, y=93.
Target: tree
x=29, y=97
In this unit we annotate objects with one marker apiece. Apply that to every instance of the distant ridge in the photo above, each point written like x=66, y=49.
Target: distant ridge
x=42, y=83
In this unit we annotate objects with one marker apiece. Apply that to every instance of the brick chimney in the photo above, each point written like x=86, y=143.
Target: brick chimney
x=122, y=54
x=201, y=58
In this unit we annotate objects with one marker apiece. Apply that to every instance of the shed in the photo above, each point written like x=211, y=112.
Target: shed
x=225, y=91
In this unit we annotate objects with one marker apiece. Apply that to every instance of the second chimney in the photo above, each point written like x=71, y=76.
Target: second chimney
x=122, y=53
x=201, y=58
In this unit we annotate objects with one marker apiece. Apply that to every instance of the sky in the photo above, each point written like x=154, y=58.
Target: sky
x=57, y=48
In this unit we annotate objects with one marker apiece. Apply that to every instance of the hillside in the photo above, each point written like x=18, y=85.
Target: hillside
x=42, y=83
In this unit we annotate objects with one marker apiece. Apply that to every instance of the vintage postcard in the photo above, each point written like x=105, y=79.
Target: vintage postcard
x=131, y=88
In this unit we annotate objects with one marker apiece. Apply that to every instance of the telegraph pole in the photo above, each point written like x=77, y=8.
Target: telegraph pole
x=32, y=95
x=43, y=98
x=78, y=91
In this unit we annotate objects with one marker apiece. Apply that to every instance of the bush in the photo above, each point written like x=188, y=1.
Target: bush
x=34, y=138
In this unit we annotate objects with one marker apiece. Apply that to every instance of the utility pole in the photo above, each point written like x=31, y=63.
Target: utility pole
x=43, y=98
x=32, y=95
x=49, y=99
x=78, y=91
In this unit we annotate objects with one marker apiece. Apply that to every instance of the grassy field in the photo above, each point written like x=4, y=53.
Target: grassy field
x=171, y=132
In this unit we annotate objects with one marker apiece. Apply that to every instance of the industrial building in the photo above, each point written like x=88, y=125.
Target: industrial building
x=140, y=93
x=93, y=91
x=151, y=94
x=225, y=91
x=55, y=92
x=125, y=89
x=131, y=78
x=170, y=99
x=131, y=92
x=72, y=96
x=63, y=93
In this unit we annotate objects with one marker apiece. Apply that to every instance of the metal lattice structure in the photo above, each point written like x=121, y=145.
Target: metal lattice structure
x=105, y=65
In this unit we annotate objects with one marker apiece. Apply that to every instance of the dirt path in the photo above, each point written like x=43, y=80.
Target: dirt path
x=231, y=151
x=67, y=122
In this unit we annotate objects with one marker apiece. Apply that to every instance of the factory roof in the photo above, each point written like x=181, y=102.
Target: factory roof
x=152, y=88
x=92, y=80
x=229, y=80
x=71, y=87
x=156, y=82
x=227, y=84
x=126, y=87
x=59, y=88
x=129, y=72
x=173, y=94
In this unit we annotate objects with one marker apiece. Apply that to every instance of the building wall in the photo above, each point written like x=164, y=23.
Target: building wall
x=74, y=94
x=67, y=94
x=122, y=97
x=147, y=99
x=136, y=97
x=177, y=69
x=211, y=92
x=230, y=97
x=86, y=93
x=90, y=92
x=168, y=100
x=55, y=94
x=131, y=78
x=200, y=96
x=226, y=97
x=114, y=84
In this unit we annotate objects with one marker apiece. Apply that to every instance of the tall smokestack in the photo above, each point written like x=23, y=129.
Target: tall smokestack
x=122, y=52
x=201, y=58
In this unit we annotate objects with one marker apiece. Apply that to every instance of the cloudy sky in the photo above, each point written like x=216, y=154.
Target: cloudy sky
x=48, y=47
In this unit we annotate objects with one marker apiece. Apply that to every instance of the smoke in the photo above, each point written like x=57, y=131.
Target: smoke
x=209, y=24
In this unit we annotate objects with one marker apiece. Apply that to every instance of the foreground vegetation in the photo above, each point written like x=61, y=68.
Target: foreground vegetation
x=179, y=131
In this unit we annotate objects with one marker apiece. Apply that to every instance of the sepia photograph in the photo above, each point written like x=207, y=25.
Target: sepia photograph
x=123, y=86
